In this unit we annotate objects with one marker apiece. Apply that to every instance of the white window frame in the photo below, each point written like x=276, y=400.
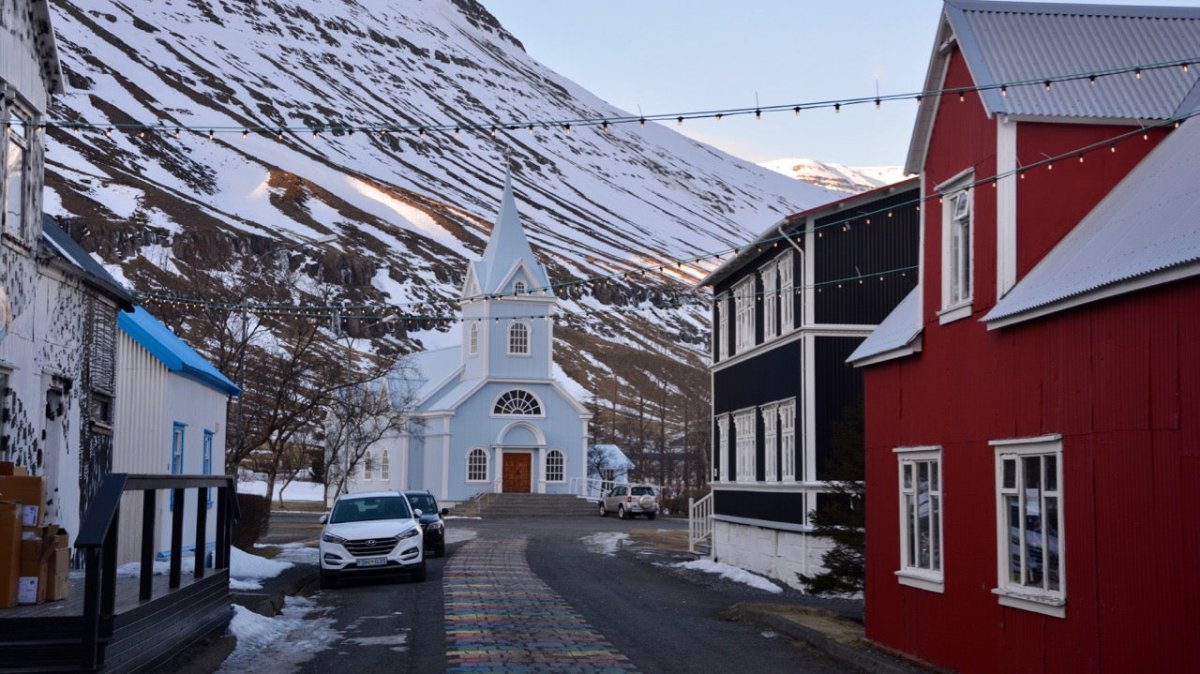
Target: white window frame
x=958, y=246
x=770, y=417
x=721, y=467
x=722, y=327
x=770, y=301
x=514, y=341
x=787, y=440
x=18, y=136
x=519, y=288
x=930, y=575
x=368, y=466
x=1041, y=598
x=787, y=292
x=384, y=466
x=743, y=299
x=474, y=464
x=532, y=404
x=473, y=338
x=556, y=467
x=745, y=427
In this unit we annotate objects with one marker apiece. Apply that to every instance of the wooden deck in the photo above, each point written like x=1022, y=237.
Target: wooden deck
x=126, y=598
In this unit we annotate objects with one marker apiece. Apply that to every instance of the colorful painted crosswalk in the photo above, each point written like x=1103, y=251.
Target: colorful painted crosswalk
x=500, y=617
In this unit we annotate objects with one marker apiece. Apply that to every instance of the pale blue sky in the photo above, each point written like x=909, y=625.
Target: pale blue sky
x=680, y=55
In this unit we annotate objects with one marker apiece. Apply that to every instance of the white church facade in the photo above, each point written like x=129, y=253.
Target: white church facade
x=487, y=415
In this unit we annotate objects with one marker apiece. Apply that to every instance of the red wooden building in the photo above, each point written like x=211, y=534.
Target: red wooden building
x=1033, y=407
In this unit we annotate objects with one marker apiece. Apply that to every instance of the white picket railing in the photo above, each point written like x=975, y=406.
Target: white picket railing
x=700, y=523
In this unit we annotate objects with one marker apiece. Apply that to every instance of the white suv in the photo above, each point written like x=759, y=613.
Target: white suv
x=371, y=533
x=629, y=500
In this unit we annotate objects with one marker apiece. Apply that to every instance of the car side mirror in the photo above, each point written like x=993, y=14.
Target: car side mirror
x=445, y=511
x=417, y=512
x=324, y=519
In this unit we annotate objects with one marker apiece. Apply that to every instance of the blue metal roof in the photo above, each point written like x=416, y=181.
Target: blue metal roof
x=168, y=348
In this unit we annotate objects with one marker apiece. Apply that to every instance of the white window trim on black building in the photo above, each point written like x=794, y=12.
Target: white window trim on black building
x=1038, y=462
x=958, y=249
x=921, y=539
x=770, y=301
x=745, y=426
x=743, y=293
x=15, y=173
x=721, y=460
x=787, y=292
x=787, y=440
x=770, y=417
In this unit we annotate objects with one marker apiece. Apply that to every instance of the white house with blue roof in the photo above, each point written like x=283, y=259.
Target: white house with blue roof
x=170, y=419
x=488, y=415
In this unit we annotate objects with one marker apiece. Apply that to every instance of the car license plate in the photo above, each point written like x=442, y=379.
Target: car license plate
x=373, y=561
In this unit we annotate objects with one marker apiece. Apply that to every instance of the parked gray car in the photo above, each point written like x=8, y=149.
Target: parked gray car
x=630, y=500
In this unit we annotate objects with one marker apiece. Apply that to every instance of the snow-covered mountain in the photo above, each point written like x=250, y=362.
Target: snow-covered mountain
x=836, y=176
x=196, y=217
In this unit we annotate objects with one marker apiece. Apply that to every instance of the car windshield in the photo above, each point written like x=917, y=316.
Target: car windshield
x=642, y=491
x=423, y=502
x=370, y=508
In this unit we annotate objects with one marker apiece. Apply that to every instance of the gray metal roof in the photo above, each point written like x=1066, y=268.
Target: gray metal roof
x=92, y=272
x=1145, y=232
x=1019, y=41
x=897, y=331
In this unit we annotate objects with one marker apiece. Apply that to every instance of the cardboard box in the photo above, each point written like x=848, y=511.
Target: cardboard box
x=10, y=552
x=59, y=567
x=30, y=492
x=10, y=468
x=31, y=574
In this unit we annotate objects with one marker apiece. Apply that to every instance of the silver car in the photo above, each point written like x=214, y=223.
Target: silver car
x=630, y=500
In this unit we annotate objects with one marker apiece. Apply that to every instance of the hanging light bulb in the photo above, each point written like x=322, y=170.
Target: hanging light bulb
x=603, y=125
x=642, y=122
x=1185, y=67
x=758, y=114
x=244, y=134
x=1137, y=73
x=796, y=110
x=1092, y=79
x=878, y=103
x=1081, y=158
x=918, y=100
x=1047, y=84
x=108, y=132
x=210, y=134
x=1004, y=90
x=962, y=97
x=718, y=116
x=142, y=133
x=679, y=120
x=177, y=132
x=837, y=107
x=567, y=129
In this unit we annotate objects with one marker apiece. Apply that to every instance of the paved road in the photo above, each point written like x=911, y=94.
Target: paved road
x=543, y=596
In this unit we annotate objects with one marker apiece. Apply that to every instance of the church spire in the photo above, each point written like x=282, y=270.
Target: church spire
x=507, y=249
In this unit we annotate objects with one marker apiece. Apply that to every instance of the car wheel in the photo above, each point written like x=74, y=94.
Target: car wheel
x=651, y=516
x=418, y=575
x=603, y=510
x=621, y=513
x=328, y=581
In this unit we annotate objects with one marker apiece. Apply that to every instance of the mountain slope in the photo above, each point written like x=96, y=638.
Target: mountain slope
x=209, y=219
x=836, y=176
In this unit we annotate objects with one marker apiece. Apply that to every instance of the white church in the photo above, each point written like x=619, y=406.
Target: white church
x=487, y=415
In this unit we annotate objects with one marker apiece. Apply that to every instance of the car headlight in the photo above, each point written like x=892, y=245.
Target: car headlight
x=408, y=534
x=332, y=538
x=436, y=526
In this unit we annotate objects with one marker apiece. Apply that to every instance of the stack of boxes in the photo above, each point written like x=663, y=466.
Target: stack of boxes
x=34, y=557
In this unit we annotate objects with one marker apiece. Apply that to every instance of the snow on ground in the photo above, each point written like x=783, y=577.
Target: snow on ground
x=245, y=569
x=297, y=553
x=296, y=491
x=281, y=644
x=730, y=573
x=605, y=542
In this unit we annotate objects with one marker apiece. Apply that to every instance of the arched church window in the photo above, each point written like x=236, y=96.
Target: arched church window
x=517, y=403
x=477, y=465
x=518, y=339
x=474, y=338
x=554, y=466
x=519, y=288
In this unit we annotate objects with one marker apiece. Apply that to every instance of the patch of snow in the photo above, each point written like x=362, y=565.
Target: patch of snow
x=296, y=553
x=732, y=573
x=245, y=566
x=237, y=584
x=605, y=542
x=281, y=644
x=296, y=491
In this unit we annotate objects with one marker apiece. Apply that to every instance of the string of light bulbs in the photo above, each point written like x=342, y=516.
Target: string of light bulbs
x=602, y=121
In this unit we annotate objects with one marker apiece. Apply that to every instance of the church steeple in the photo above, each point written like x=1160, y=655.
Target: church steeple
x=507, y=254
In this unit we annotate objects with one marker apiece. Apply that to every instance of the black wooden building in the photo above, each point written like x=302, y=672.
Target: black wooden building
x=788, y=309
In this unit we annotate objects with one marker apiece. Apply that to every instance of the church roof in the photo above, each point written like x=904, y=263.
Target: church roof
x=506, y=248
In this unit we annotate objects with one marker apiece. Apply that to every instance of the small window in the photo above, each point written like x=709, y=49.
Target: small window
x=176, y=466
x=920, y=517
x=787, y=293
x=743, y=299
x=474, y=338
x=206, y=462
x=1029, y=518
x=517, y=402
x=721, y=460
x=744, y=425
x=101, y=409
x=518, y=339
x=957, y=248
x=770, y=417
x=770, y=302
x=722, y=327
x=16, y=163
x=787, y=440
x=384, y=466
x=554, y=466
x=477, y=466
x=368, y=467
x=519, y=288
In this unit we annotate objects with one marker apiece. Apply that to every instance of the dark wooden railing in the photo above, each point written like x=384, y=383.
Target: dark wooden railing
x=98, y=541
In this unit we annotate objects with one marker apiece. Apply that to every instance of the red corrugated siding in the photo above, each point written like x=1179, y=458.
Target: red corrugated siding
x=1119, y=379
